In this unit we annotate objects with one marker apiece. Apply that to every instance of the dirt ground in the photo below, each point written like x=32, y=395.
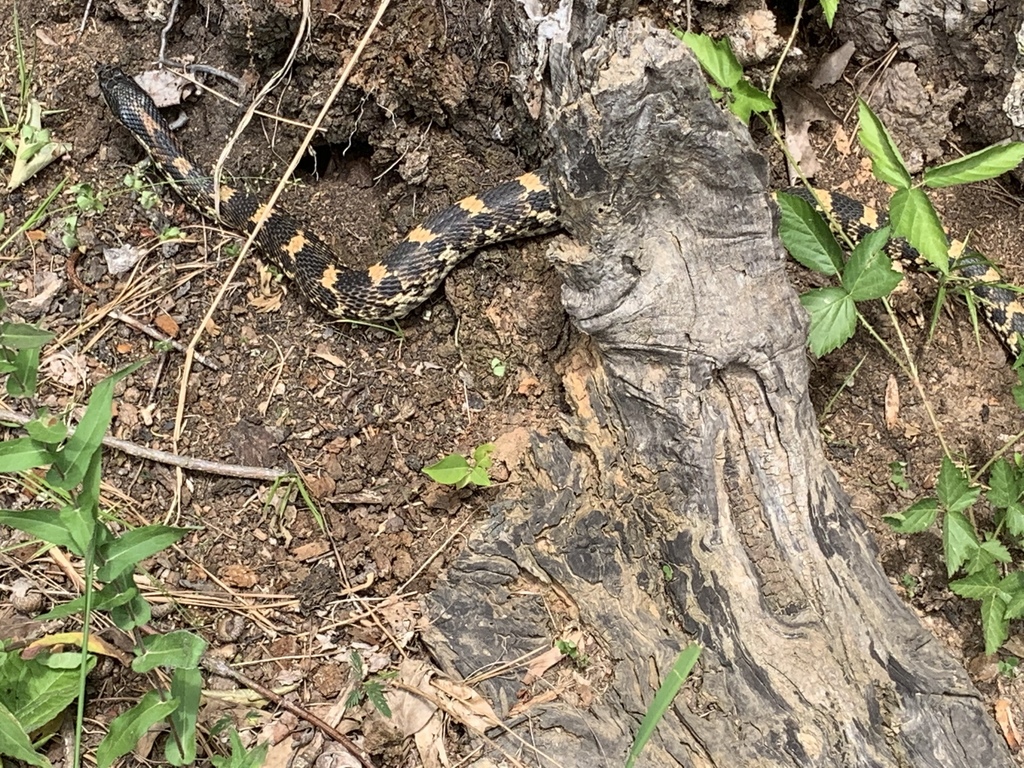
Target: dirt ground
x=359, y=411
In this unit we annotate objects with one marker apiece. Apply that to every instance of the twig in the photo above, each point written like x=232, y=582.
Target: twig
x=219, y=668
x=174, y=459
x=153, y=333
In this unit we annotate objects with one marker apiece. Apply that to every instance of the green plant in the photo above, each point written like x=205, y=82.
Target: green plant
x=1009, y=667
x=570, y=649
x=370, y=688
x=667, y=691
x=39, y=682
x=455, y=469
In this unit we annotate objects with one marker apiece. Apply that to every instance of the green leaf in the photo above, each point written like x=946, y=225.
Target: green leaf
x=1015, y=518
x=833, y=318
x=959, y=542
x=177, y=650
x=23, y=336
x=479, y=477
x=1015, y=608
x=47, y=430
x=127, y=729
x=977, y=166
x=132, y=547
x=44, y=524
x=22, y=380
x=914, y=219
x=955, y=492
x=73, y=462
x=869, y=273
x=14, y=741
x=23, y=453
x=996, y=550
x=886, y=161
x=1004, y=484
x=375, y=694
x=450, y=470
x=240, y=757
x=106, y=599
x=716, y=57
x=980, y=585
x=186, y=688
x=667, y=691
x=829, y=7
x=747, y=99
x=994, y=625
x=35, y=692
x=807, y=237
x=482, y=455
x=917, y=518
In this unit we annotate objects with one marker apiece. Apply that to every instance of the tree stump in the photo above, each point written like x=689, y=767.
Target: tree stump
x=686, y=497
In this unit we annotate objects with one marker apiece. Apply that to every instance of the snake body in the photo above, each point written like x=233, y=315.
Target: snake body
x=403, y=278
x=413, y=269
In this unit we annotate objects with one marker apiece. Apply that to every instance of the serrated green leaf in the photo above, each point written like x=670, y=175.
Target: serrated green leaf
x=177, y=650
x=886, y=161
x=994, y=626
x=996, y=550
x=980, y=585
x=1015, y=518
x=914, y=218
x=1015, y=608
x=953, y=488
x=747, y=99
x=132, y=547
x=917, y=518
x=1004, y=484
x=23, y=453
x=833, y=318
x=716, y=57
x=807, y=237
x=14, y=741
x=828, y=7
x=869, y=273
x=959, y=542
x=127, y=729
x=451, y=470
x=984, y=164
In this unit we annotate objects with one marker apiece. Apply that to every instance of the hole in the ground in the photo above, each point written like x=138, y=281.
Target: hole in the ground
x=325, y=158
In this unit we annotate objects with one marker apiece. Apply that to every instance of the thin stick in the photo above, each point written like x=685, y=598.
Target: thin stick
x=163, y=338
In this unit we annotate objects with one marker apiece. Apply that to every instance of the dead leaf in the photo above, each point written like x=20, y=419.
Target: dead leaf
x=167, y=324
x=239, y=575
x=430, y=743
x=409, y=712
x=892, y=403
x=1004, y=716
x=164, y=86
x=541, y=664
x=466, y=705
x=832, y=66
x=800, y=108
x=121, y=258
x=311, y=551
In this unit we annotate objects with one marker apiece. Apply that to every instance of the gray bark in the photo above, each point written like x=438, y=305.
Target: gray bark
x=686, y=498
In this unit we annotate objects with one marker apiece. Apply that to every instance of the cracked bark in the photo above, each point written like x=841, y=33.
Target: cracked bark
x=691, y=450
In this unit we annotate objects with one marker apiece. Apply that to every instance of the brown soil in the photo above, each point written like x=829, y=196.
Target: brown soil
x=359, y=411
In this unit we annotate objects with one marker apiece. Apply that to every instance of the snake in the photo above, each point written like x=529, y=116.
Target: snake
x=408, y=273
x=404, y=277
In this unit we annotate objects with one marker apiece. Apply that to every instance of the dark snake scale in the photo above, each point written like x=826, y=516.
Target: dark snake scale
x=413, y=269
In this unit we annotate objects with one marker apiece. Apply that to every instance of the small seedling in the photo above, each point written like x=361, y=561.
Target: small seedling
x=898, y=476
x=455, y=469
x=371, y=688
x=570, y=649
x=497, y=367
x=1009, y=667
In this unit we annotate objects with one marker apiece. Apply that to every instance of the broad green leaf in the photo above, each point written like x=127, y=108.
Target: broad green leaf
x=1015, y=608
x=23, y=453
x=40, y=691
x=959, y=541
x=977, y=166
x=479, y=477
x=667, y=691
x=995, y=549
x=186, y=688
x=482, y=455
x=73, y=462
x=1015, y=518
x=833, y=318
x=104, y=600
x=22, y=380
x=22, y=336
x=178, y=650
x=886, y=161
x=807, y=237
x=917, y=518
x=954, y=490
x=240, y=757
x=450, y=470
x=44, y=524
x=127, y=729
x=46, y=429
x=829, y=7
x=914, y=219
x=126, y=551
x=869, y=273
x=14, y=741
x=716, y=57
